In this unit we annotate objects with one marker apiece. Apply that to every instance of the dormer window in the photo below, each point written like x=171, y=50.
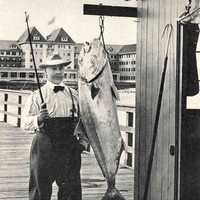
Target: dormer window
x=64, y=39
x=13, y=46
x=35, y=37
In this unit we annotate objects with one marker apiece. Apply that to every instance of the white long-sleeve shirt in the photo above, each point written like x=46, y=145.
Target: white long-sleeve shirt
x=58, y=105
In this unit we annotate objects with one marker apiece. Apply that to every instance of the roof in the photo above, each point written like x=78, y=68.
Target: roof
x=34, y=32
x=129, y=48
x=8, y=45
x=58, y=34
x=113, y=48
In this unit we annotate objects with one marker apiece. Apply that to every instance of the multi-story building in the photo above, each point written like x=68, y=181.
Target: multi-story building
x=56, y=42
x=39, y=44
x=17, y=54
x=10, y=54
x=61, y=43
x=127, y=63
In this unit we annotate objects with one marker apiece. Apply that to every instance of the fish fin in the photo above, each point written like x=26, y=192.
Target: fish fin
x=114, y=92
x=94, y=91
x=113, y=194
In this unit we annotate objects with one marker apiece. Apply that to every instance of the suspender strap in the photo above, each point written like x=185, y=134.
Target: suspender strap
x=73, y=105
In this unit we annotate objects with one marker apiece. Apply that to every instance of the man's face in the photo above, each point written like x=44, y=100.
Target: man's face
x=55, y=74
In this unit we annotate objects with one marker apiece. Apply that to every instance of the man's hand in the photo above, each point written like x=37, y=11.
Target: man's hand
x=44, y=115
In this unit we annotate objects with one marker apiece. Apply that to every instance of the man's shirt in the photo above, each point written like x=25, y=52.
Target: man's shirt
x=58, y=105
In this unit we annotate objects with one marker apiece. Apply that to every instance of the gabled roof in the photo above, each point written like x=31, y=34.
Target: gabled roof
x=58, y=35
x=129, y=48
x=34, y=34
x=9, y=45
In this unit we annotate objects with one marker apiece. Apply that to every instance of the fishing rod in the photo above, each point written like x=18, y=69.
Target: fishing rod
x=36, y=73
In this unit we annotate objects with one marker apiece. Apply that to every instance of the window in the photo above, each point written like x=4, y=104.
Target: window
x=13, y=74
x=2, y=52
x=130, y=118
x=72, y=76
x=129, y=159
x=40, y=75
x=68, y=54
x=4, y=74
x=7, y=52
x=115, y=77
x=22, y=75
x=31, y=75
x=64, y=39
x=41, y=45
x=13, y=53
x=130, y=139
x=40, y=60
x=35, y=37
x=13, y=46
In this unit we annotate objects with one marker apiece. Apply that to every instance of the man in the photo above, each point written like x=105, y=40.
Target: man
x=55, y=151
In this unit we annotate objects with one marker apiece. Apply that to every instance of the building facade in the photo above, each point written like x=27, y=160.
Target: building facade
x=18, y=54
x=10, y=54
x=127, y=63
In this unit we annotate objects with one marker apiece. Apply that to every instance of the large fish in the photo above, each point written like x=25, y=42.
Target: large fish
x=97, y=96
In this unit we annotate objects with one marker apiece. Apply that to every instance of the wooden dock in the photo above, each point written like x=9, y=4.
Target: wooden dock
x=14, y=169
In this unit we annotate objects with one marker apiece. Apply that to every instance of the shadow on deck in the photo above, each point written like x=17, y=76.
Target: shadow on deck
x=14, y=169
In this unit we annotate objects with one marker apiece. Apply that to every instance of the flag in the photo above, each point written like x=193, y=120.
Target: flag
x=51, y=21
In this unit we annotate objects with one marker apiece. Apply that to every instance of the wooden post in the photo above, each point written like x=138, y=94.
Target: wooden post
x=19, y=111
x=5, y=107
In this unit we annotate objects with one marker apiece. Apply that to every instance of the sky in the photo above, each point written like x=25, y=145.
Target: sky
x=69, y=15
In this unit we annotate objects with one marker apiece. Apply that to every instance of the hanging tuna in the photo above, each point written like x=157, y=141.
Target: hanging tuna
x=97, y=96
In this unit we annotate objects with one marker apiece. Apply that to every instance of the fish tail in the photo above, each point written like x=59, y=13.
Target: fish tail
x=113, y=194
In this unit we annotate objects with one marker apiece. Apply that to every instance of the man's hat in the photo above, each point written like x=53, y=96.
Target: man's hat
x=54, y=60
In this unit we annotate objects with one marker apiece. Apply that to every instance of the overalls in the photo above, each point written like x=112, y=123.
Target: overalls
x=56, y=156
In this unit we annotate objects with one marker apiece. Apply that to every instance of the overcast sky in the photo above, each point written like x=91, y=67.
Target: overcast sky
x=69, y=15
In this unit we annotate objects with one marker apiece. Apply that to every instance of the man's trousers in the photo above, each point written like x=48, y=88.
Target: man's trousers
x=49, y=163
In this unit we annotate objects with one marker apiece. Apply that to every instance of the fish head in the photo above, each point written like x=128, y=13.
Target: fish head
x=92, y=59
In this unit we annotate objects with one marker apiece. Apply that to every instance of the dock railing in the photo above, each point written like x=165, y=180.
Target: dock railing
x=12, y=103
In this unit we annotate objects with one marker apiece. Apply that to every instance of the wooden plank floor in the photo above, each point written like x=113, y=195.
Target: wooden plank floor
x=14, y=169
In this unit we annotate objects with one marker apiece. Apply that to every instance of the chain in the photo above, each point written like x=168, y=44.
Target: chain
x=188, y=6
x=101, y=36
